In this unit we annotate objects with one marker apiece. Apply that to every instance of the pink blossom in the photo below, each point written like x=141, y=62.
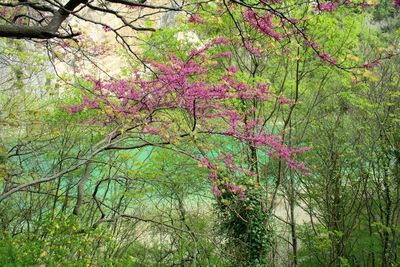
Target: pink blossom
x=90, y=103
x=326, y=57
x=293, y=20
x=204, y=161
x=282, y=100
x=65, y=44
x=301, y=150
x=152, y=130
x=233, y=188
x=249, y=47
x=212, y=176
x=74, y=109
x=3, y=11
x=252, y=123
x=325, y=7
x=220, y=41
x=233, y=69
x=195, y=18
x=396, y=3
x=372, y=64
x=215, y=190
x=262, y=22
x=363, y=4
x=311, y=44
x=106, y=28
x=229, y=160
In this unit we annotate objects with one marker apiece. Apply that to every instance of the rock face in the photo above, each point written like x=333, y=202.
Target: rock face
x=169, y=17
x=105, y=52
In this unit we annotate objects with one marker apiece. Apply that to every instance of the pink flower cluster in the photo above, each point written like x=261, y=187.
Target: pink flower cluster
x=282, y=100
x=252, y=50
x=195, y=18
x=236, y=190
x=215, y=190
x=220, y=41
x=322, y=55
x=233, y=69
x=312, y=44
x=107, y=29
x=325, y=6
x=326, y=57
x=332, y=5
x=293, y=20
x=372, y=64
x=233, y=188
x=262, y=22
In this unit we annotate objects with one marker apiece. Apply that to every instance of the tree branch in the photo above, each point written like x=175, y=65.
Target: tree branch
x=43, y=32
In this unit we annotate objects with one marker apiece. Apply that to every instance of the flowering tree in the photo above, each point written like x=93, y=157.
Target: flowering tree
x=182, y=102
x=209, y=96
x=205, y=96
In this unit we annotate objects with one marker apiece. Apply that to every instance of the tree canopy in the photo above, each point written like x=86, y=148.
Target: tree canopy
x=216, y=133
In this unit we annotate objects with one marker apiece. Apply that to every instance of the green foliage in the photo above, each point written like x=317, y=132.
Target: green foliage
x=153, y=206
x=61, y=241
x=245, y=225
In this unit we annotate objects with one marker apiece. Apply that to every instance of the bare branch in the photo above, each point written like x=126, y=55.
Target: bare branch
x=42, y=32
